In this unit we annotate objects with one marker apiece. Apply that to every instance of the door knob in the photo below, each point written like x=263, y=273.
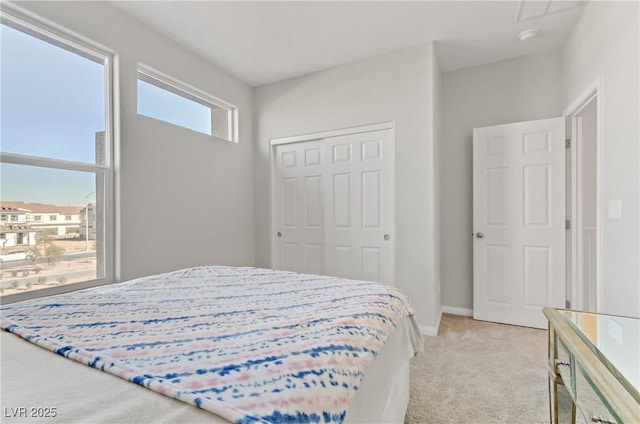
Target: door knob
x=479, y=235
x=279, y=234
x=387, y=237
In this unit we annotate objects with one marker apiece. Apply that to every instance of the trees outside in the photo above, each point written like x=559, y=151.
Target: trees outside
x=45, y=251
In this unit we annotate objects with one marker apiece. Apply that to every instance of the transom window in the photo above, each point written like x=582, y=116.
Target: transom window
x=167, y=99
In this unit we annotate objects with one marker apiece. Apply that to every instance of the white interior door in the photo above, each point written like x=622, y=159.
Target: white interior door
x=299, y=207
x=519, y=221
x=333, y=206
x=360, y=206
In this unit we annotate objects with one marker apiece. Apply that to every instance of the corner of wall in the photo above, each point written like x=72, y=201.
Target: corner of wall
x=428, y=330
x=454, y=310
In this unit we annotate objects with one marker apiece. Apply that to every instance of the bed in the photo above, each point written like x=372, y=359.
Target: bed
x=223, y=344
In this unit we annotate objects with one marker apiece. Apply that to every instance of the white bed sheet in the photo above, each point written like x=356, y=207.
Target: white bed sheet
x=81, y=394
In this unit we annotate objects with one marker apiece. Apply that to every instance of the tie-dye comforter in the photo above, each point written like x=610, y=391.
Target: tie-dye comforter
x=251, y=345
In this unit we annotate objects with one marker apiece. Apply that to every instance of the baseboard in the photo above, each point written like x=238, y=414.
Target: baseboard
x=454, y=310
x=427, y=330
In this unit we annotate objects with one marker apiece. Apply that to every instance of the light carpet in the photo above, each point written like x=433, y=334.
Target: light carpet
x=480, y=373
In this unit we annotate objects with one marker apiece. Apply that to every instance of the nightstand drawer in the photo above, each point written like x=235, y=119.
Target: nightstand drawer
x=564, y=367
x=589, y=402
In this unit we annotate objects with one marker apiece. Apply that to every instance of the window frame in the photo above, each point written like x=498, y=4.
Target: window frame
x=47, y=31
x=165, y=82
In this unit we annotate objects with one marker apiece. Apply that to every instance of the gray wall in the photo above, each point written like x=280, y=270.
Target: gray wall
x=605, y=43
x=394, y=87
x=185, y=199
x=521, y=89
x=183, y=192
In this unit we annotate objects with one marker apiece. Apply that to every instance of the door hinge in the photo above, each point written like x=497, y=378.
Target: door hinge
x=567, y=143
x=567, y=304
x=567, y=224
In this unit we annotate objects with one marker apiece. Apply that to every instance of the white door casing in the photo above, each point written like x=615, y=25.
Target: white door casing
x=519, y=221
x=584, y=242
x=333, y=206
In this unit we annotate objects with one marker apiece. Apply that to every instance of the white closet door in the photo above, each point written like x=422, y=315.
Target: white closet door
x=299, y=207
x=359, y=207
x=334, y=206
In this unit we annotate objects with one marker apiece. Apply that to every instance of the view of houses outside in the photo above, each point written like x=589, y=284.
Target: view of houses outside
x=44, y=245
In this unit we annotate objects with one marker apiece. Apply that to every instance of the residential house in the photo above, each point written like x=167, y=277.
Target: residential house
x=57, y=221
x=88, y=222
x=14, y=230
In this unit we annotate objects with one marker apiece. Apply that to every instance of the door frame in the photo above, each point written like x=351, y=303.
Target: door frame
x=309, y=137
x=572, y=113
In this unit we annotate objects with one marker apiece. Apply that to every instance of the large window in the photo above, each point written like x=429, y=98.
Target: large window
x=167, y=99
x=56, y=159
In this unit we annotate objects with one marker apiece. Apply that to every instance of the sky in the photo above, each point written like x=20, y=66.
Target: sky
x=52, y=104
x=164, y=105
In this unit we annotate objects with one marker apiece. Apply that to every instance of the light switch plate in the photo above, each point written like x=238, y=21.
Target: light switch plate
x=615, y=209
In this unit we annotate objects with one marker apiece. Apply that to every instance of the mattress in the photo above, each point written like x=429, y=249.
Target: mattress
x=37, y=385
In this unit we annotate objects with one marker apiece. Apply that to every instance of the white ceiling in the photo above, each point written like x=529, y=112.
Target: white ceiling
x=263, y=41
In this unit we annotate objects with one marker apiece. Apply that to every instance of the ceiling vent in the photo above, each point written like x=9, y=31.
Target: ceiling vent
x=530, y=9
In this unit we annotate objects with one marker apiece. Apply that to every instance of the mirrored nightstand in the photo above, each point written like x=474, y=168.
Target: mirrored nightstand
x=597, y=358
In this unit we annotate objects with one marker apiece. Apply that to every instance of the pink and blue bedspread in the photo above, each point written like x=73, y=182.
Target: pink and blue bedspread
x=251, y=345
